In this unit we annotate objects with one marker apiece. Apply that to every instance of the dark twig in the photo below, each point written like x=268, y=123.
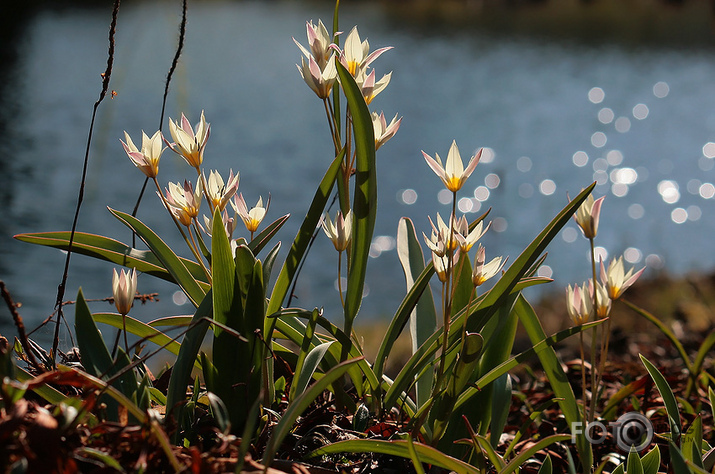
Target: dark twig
x=20, y=327
x=105, y=87
x=174, y=63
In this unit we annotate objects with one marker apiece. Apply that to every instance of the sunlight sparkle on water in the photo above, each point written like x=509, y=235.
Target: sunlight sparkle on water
x=623, y=124
x=481, y=193
x=624, y=175
x=614, y=157
x=523, y=164
x=599, y=139
x=492, y=180
x=381, y=243
x=596, y=95
x=605, y=115
x=499, y=224
x=407, y=196
x=600, y=164
x=693, y=186
x=640, y=111
x=669, y=191
x=600, y=177
x=569, y=234
x=706, y=164
x=444, y=196
x=526, y=190
x=580, y=158
x=468, y=205
x=600, y=253
x=619, y=189
x=709, y=150
x=488, y=155
x=694, y=212
x=636, y=211
x=547, y=187
x=707, y=191
x=545, y=271
x=632, y=255
x=179, y=298
x=679, y=215
x=661, y=89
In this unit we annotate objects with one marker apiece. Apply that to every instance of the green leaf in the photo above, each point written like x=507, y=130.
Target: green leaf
x=190, y=346
x=546, y=466
x=423, y=317
x=633, y=463
x=299, y=405
x=110, y=250
x=651, y=461
x=692, y=442
x=99, y=456
x=399, y=448
x=166, y=256
x=304, y=236
x=49, y=393
x=557, y=377
x=677, y=461
x=142, y=330
x=671, y=404
x=365, y=193
x=524, y=455
x=265, y=236
x=312, y=360
x=501, y=403
x=305, y=348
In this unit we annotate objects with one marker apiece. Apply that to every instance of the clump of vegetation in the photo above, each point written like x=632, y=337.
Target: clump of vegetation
x=285, y=384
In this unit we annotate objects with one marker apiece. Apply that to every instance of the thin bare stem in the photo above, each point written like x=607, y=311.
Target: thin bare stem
x=594, y=333
x=80, y=197
x=340, y=283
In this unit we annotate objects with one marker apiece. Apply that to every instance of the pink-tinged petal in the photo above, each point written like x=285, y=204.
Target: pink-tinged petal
x=436, y=167
x=186, y=126
x=596, y=212
x=472, y=164
x=633, y=278
x=375, y=54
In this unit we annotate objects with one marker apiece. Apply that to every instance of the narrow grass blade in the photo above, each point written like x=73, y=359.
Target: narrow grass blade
x=521, y=458
x=365, y=193
x=671, y=404
x=299, y=405
x=633, y=463
x=312, y=360
x=188, y=353
x=399, y=448
x=166, y=256
x=546, y=466
x=305, y=234
x=51, y=394
x=651, y=461
x=423, y=318
x=140, y=329
x=110, y=250
x=265, y=236
x=557, y=378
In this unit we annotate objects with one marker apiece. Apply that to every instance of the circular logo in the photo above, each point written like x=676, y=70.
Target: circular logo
x=633, y=430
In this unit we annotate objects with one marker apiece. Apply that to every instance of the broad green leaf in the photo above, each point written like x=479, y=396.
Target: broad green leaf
x=671, y=404
x=501, y=290
x=692, y=442
x=423, y=318
x=305, y=347
x=651, y=461
x=399, y=448
x=304, y=236
x=546, y=466
x=501, y=404
x=96, y=358
x=633, y=463
x=265, y=236
x=312, y=360
x=110, y=250
x=557, y=377
x=299, y=405
x=663, y=329
x=365, y=193
x=49, y=393
x=190, y=346
x=142, y=330
x=677, y=461
x=166, y=256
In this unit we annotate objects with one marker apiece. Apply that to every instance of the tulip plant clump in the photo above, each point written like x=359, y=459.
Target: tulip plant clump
x=268, y=363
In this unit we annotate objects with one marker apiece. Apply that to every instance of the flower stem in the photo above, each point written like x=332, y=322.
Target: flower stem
x=594, y=333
